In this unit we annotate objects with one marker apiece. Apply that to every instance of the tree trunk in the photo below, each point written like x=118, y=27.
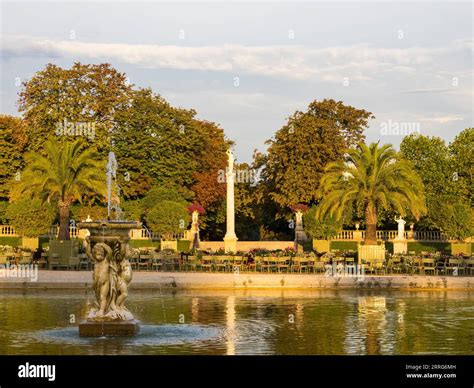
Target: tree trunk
x=63, y=220
x=371, y=225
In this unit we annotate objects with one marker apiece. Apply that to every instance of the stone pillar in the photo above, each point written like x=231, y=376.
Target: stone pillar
x=230, y=238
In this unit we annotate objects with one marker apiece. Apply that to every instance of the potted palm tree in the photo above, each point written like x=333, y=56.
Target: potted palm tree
x=371, y=178
x=66, y=173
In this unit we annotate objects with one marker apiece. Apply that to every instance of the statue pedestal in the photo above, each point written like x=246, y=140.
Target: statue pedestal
x=357, y=235
x=400, y=246
x=194, y=238
x=109, y=328
x=300, y=235
x=230, y=244
x=371, y=252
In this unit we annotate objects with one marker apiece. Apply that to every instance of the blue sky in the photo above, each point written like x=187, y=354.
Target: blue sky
x=408, y=63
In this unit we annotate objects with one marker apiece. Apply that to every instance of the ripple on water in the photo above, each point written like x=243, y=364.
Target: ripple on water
x=156, y=335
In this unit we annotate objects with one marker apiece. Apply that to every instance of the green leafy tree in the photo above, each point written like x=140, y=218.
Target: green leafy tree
x=3, y=212
x=167, y=218
x=447, y=174
x=66, y=174
x=372, y=179
x=157, y=144
x=431, y=160
x=246, y=208
x=85, y=96
x=82, y=211
x=211, y=160
x=13, y=143
x=160, y=194
x=133, y=210
x=462, y=160
x=454, y=217
x=301, y=149
x=212, y=223
x=30, y=218
x=326, y=228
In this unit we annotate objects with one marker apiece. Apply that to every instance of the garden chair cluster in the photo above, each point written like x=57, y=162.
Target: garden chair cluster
x=264, y=264
x=146, y=259
x=151, y=259
x=427, y=263
x=15, y=255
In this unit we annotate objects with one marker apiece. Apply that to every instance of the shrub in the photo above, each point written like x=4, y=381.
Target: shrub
x=344, y=245
x=12, y=241
x=429, y=247
x=183, y=245
x=320, y=229
x=144, y=243
x=167, y=218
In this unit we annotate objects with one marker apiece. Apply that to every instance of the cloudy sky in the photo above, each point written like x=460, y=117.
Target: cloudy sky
x=248, y=66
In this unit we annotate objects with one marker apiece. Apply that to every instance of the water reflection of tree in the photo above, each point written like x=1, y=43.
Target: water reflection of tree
x=319, y=330
x=325, y=323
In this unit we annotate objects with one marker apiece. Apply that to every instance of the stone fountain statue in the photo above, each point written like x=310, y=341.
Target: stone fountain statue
x=111, y=277
x=107, y=247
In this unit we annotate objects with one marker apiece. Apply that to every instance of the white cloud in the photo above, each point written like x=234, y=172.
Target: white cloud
x=443, y=119
x=357, y=62
x=428, y=90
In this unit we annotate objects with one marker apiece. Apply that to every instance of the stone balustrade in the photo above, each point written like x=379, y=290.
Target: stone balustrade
x=343, y=235
x=7, y=230
x=135, y=234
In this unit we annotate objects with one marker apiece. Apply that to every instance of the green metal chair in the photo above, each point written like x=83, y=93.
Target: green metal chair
x=428, y=267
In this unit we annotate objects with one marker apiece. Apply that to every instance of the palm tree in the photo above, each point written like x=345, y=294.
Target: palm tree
x=67, y=173
x=372, y=179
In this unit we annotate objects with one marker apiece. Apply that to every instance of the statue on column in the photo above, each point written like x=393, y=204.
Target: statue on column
x=230, y=158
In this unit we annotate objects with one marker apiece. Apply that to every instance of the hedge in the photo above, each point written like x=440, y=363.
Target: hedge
x=418, y=247
x=144, y=243
x=343, y=245
x=183, y=245
x=12, y=241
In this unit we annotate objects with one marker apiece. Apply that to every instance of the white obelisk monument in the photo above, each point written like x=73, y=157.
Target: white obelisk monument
x=230, y=239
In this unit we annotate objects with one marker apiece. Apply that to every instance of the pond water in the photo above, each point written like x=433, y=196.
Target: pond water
x=248, y=322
